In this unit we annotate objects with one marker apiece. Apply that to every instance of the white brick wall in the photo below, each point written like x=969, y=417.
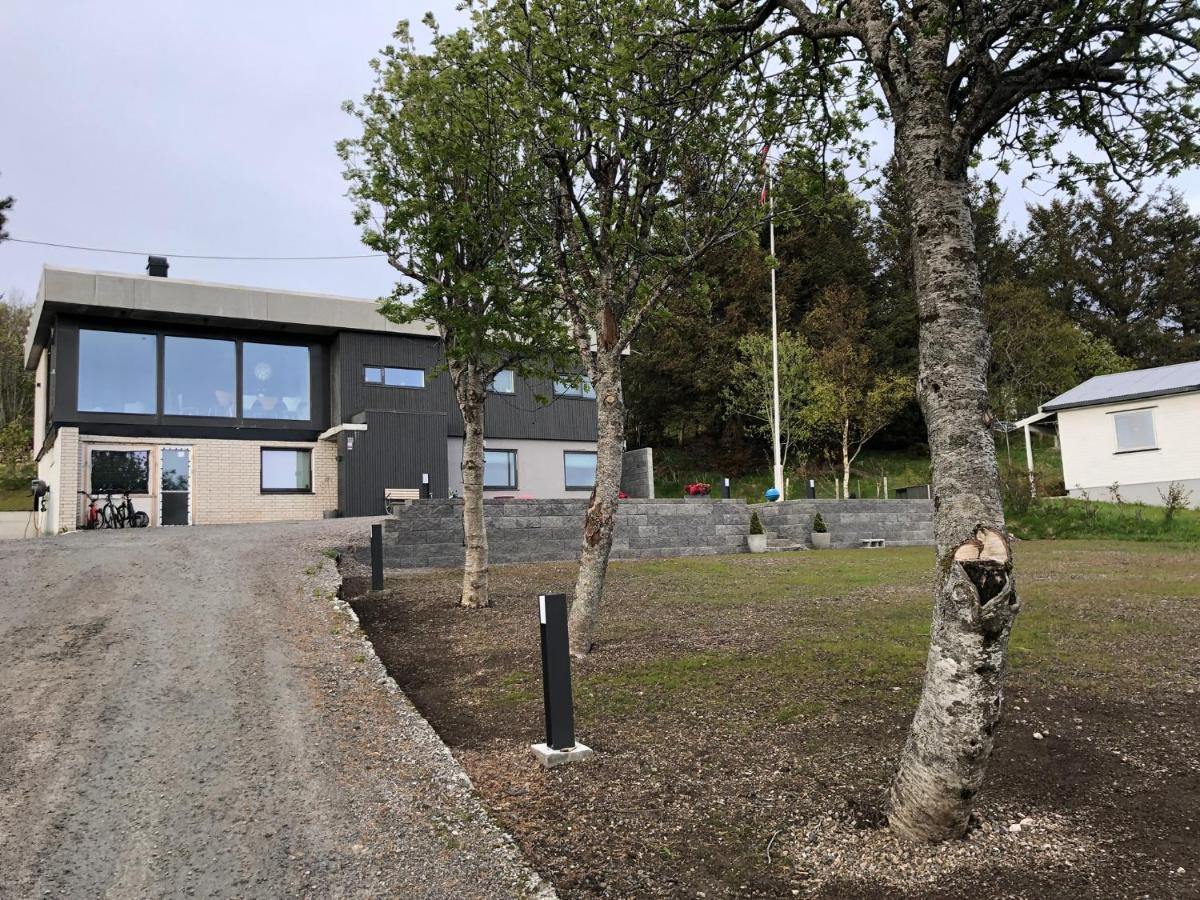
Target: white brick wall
x=225, y=479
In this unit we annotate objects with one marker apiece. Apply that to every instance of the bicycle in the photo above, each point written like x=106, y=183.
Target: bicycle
x=129, y=517
x=91, y=517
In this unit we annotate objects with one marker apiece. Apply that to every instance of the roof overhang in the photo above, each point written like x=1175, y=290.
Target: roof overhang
x=146, y=298
x=1125, y=398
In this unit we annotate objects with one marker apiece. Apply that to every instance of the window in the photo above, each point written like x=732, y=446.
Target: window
x=504, y=382
x=581, y=388
x=286, y=471
x=118, y=372
x=580, y=470
x=393, y=376
x=199, y=377
x=275, y=381
x=1135, y=430
x=500, y=469
x=118, y=471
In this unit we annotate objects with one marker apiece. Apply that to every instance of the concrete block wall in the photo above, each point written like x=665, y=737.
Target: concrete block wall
x=898, y=522
x=429, y=533
x=637, y=473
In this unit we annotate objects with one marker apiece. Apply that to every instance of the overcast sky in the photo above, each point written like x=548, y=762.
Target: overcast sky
x=204, y=128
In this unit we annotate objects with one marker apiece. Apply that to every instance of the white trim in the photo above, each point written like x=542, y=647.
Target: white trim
x=330, y=433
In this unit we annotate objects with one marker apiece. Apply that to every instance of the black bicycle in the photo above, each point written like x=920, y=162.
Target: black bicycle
x=121, y=515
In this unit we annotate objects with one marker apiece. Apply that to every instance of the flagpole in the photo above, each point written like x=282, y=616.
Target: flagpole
x=774, y=339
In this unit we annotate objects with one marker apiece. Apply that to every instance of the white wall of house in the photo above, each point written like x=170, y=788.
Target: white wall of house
x=1092, y=461
x=540, y=467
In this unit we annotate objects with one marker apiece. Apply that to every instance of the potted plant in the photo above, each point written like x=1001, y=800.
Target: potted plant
x=697, y=491
x=820, y=533
x=757, y=539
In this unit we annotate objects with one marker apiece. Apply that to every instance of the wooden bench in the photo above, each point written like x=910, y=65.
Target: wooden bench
x=394, y=497
x=871, y=542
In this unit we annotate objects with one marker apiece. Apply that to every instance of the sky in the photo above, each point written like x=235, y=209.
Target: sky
x=204, y=128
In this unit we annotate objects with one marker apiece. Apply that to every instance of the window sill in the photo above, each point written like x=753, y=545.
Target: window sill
x=266, y=492
x=1136, y=450
x=589, y=488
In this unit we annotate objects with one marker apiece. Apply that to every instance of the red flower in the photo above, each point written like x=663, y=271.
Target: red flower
x=698, y=489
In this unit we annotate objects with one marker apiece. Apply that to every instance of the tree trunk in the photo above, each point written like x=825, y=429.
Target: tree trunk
x=846, y=458
x=950, y=742
x=475, y=557
x=602, y=510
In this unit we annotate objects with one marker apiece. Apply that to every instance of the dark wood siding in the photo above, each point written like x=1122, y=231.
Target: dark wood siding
x=518, y=416
x=394, y=452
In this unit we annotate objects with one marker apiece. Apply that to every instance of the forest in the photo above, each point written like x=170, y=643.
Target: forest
x=1098, y=282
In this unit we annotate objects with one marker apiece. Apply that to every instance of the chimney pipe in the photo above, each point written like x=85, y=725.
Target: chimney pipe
x=157, y=266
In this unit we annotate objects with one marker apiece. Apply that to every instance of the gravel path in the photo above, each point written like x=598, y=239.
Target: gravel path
x=184, y=712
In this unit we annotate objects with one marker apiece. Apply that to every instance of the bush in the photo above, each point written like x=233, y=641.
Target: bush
x=1176, y=498
x=756, y=524
x=819, y=525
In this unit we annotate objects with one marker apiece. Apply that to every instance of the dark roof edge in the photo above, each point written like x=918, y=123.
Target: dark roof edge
x=1122, y=398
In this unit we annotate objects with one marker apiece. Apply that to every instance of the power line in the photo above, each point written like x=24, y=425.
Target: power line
x=196, y=255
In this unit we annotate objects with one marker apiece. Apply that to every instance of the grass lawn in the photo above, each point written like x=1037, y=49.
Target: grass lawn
x=14, y=487
x=747, y=712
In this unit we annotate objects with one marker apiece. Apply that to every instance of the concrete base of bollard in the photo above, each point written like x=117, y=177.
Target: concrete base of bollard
x=549, y=757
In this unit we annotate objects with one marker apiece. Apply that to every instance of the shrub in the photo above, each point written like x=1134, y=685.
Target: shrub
x=1176, y=498
x=698, y=489
x=755, y=524
x=819, y=525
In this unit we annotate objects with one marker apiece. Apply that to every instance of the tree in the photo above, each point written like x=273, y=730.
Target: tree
x=1037, y=351
x=852, y=396
x=750, y=389
x=16, y=384
x=443, y=183
x=1123, y=268
x=647, y=143
x=952, y=76
x=6, y=203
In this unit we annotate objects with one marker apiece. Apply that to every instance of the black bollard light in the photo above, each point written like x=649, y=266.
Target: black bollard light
x=812, y=489
x=426, y=492
x=560, y=745
x=725, y=488
x=377, y=557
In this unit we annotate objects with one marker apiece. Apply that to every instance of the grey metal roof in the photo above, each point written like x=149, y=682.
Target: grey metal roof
x=1122, y=386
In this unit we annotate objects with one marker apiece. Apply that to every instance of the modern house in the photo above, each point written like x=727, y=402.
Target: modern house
x=213, y=403
x=1137, y=430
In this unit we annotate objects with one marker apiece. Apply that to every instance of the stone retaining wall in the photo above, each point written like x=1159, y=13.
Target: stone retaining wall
x=429, y=532
x=898, y=522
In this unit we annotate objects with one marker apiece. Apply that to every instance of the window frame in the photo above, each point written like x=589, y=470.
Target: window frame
x=262, y=489
x=383, y=376
x=104, y=448
x=108, y=414
x=515, y=476
x=565, y=389
x=592, y=453
x=237, y=414
x=1116, y=414
x=492, y=389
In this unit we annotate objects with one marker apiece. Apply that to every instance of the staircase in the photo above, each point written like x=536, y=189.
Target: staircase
x=777, y=544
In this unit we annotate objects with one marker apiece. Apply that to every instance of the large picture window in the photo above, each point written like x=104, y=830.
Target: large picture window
x=199, y=377
x=505, y=382
x=579, y=470
x=118, y=372
x=120, y=471
x=1135, y=430
x=500, y=469
x=275, y=382
x=286, y=471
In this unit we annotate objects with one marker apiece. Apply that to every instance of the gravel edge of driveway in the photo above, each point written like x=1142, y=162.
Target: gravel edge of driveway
x=454, y=792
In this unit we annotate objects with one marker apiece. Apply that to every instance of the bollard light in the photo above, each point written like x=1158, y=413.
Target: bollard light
x=725, y=488
x=377, y=557
x=560, y=745
x=812, y=489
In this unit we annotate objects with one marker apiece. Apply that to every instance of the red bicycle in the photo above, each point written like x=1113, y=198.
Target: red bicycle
x=91, y=516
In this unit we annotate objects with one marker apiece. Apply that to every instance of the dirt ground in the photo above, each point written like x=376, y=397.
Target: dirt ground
x=747, y=713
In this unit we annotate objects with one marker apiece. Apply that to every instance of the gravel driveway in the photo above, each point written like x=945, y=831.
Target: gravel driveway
x=183, y=712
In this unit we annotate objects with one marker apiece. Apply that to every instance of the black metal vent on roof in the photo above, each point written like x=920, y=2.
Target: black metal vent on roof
x=157, y=266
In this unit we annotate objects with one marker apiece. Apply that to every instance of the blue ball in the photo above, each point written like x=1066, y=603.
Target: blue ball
x=771, y=494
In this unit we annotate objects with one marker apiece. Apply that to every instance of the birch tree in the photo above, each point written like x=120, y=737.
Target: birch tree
x=442, y=184
x=1025, y=79
x=650, y=148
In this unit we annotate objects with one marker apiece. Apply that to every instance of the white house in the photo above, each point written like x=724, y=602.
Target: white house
x=1139, y=430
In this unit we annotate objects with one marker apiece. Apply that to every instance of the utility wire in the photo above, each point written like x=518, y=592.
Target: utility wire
x=195, y=255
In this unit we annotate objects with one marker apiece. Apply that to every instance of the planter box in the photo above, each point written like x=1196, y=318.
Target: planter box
x=757, y=543
x=821, y=540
